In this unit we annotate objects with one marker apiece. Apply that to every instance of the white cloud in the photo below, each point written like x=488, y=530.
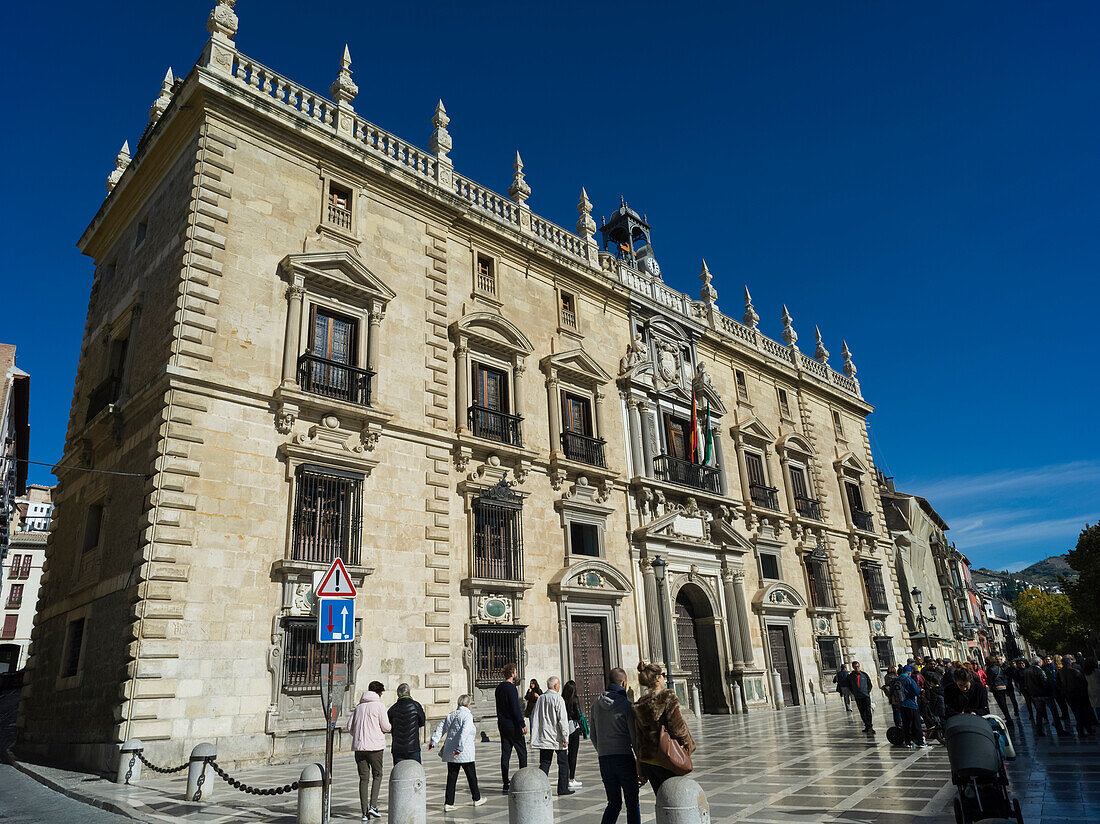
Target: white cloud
x=1062, y=532
x=1045, y=478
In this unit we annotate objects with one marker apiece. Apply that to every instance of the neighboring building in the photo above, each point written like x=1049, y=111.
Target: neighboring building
x=348, y=349
x=34, y=510
x=1003, y=631
x=18, y=597
x=15, y=435
x=919, y=538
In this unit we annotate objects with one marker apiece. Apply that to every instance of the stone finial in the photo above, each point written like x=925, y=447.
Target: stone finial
x=708, y=294
x=586, y=226
x=440, y=142
x=849, y=367
x=519, y=191
x=750, y=317
x=821, y=353
x=790, y=337
x=343, y=88
x=165, y=97
x=121, y=162
x=222, y=23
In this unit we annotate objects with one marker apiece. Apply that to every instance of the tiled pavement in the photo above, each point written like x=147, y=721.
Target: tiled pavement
x=799, y=765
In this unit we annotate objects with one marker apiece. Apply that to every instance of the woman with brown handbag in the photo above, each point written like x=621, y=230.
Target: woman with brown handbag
x=665, y=744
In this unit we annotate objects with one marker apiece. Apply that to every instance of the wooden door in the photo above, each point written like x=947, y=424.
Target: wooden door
x=688, y=646
x=590, y=669
x=798, y=482
x=576, y=417
x=677, y=434
x=755, y=466
x=490, y=388
x=779, y=644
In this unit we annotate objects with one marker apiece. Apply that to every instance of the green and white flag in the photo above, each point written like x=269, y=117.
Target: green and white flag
x=708, y=439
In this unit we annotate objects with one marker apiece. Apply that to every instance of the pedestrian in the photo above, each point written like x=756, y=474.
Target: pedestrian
x=577, y=728
x=1001, y=683
x=1075, y=688
x=1051, y=665
x=1039, y=683
x=1091, y=671
x=614, y=736
x=550, y=733
x=368, y=725
x=658, y=708
x=510, y=723
x=1019, y=673
x=860, y=685
x=455, y=736
x=904, y=693
x=841, y=681
x=887, y=687
x=533, y=693
x=965, y=694
x=934, y=680
x=406, y=720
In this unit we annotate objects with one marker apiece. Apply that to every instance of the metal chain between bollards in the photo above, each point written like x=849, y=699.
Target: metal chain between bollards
x=245, y=788
x=202, y=779
x=153, y=767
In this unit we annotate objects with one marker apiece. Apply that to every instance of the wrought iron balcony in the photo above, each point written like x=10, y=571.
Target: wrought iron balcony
x=765, y=496
x=862, y=520
x=332, y=379
x=583, y=448
x=808, y=507
x=686, y=473
x=495, y=426
x=102, y=396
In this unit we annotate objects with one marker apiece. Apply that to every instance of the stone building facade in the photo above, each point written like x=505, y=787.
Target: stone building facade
x=348, y=348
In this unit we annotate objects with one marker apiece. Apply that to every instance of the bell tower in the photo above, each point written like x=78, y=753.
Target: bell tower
x=626, y=236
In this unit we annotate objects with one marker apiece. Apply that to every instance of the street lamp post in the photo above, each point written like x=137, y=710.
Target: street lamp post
x=660, y=568
x=919, y=598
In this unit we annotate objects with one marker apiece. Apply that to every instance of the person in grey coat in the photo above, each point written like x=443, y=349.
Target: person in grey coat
x=613, y=735
x=456, y=736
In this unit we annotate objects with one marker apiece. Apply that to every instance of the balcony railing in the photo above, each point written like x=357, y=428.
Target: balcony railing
x=808, y=507
x=495, y=426
x=862, y=520
x=583, y=448
x=102, y=396
x=339, y=217
x=765, y=496
x=321, y=376
x=686, y=473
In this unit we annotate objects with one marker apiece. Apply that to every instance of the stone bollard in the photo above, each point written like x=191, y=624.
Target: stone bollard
x=129, y=765
x=408, y=793
x=682, y=801
x=199, y=769
x=309, y=794
x=777, y=690
x=696, y=705
x=740, y=705
x=529, y=800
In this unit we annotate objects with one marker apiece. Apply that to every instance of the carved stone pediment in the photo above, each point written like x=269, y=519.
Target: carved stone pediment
x=778, y=597
x=592, y=579
x=340, y=272
x=334, y=443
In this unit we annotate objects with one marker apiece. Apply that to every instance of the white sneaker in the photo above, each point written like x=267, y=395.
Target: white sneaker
x=574, y=784
x=480, y=801
x=449, y=808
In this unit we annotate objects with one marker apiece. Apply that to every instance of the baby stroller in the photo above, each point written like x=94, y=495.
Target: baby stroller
x=978, y=770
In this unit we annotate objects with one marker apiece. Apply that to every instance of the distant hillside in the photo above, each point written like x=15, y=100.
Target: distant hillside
x=1042, y=573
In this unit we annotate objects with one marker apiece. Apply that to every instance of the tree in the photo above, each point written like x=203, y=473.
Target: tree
x=1083, y=592
x=1048, y=621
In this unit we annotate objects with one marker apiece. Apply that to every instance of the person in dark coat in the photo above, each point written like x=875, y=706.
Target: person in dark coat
x=860, y=684
x=510, y=723
x=1018, y=670
x=934, y=694
x=532, y=697
x=1076, y=691
x=1000, y=681
x=1039, y=685
x=614, y=736
x=841, y=681
x=965, y=694
x=406, y=720
x=1060, y=702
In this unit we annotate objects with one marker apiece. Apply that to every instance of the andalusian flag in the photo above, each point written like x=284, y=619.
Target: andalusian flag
x=694, y=446
x=708, y=439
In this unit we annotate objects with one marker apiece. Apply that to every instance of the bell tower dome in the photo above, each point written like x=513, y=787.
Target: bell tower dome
x=626, y=236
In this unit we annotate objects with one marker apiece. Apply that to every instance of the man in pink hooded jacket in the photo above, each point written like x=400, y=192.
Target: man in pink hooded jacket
x=368, y=726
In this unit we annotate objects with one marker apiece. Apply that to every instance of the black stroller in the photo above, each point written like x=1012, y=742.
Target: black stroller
x=978, y=771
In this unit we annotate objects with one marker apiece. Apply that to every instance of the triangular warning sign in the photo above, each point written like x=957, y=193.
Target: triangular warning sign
x=336, y=583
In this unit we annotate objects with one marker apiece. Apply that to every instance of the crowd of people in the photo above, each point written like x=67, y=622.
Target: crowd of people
x=926, y=691
x=636, y=743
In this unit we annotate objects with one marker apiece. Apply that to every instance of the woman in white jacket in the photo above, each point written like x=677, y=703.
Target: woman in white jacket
x=458, y=734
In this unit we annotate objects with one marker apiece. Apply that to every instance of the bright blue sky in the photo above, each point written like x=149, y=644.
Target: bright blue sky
x=922, y=179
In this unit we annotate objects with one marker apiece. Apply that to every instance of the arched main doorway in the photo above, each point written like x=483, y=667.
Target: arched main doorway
x=697, y=645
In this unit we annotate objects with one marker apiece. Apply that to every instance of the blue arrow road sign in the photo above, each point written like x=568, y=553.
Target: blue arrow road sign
x=335, y=620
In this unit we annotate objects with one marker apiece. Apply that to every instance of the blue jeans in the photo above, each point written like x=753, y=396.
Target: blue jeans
x=620, y=781
x=406, y=756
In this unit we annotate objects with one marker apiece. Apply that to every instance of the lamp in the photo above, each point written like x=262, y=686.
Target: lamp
x=932, y=610
x=917, y=596
x=660, y=570
x=918, y=599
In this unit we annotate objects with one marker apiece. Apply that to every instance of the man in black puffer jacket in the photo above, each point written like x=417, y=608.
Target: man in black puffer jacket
x=406, y=718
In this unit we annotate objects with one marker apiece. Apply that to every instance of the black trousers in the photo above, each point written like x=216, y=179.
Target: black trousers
x=620, y=782
x=545, y=759
x=1001, y=697
x=910, y=725
x=656, y=775
x=863, y=703
x=452, y=781
x=574, y=747
x=511, y=739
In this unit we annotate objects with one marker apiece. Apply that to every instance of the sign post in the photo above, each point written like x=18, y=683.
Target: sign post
x=335, y=625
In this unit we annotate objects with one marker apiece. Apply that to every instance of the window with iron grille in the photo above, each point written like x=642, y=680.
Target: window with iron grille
x=74, y=643
x=498, y=534
x=830, y=654
x=821, y=586
x=303, y=655
x=876, y=592
x=884, y=651
x=328, y=515
x=496, y=648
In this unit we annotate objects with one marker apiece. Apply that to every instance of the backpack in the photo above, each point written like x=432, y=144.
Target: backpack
x=897, y=692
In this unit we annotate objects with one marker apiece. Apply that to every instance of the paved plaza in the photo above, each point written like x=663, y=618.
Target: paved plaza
x=799, y=765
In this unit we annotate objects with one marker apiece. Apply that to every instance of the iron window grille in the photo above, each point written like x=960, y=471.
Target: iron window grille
x=821, y=586
x=876, y=591
x=328, y=515
x=685, y=473
x=498, y=534
x=884, y=651
x=830, y=654
x=303, y=655
x=496, y=648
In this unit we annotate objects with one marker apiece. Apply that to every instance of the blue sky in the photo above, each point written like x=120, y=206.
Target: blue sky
x=920, y=179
